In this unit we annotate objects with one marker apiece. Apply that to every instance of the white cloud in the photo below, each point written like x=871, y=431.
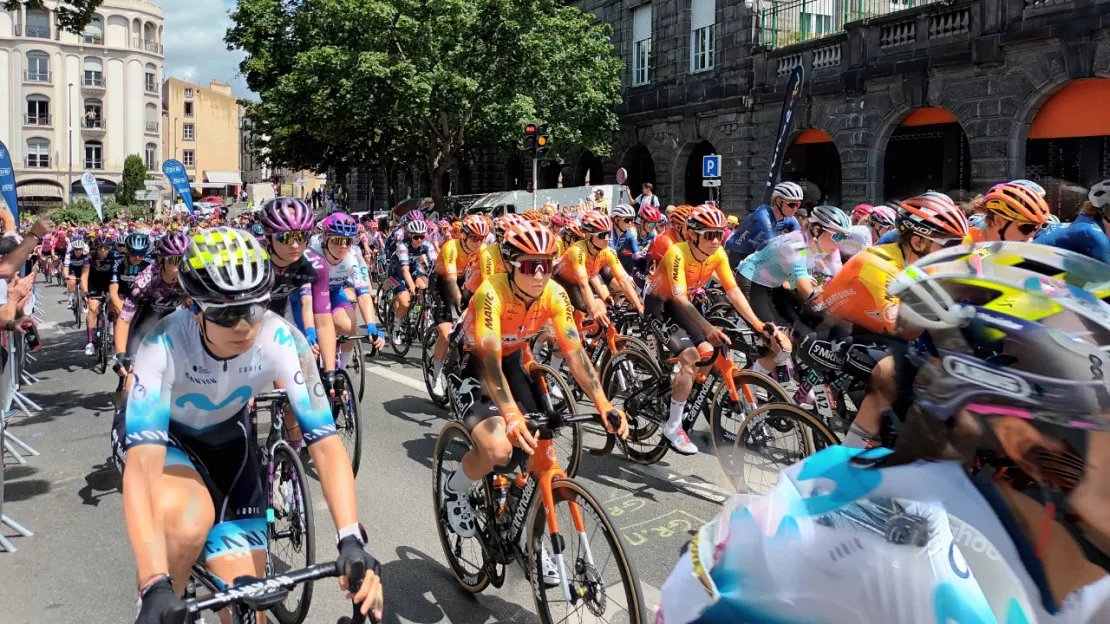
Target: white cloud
x=194, y=43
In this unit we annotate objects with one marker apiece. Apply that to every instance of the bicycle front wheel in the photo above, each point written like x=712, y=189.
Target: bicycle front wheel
x=348, y=416
x=292, y=533
x=401, y=347
x=568, y=439
x=770, y=439
x=593, y=564
x=103, y=341
x=726, y=416
x=427, y=350
x=466, y=556
x=633, y=382
x=358, y=364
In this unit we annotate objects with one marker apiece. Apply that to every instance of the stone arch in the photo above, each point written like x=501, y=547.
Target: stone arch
x=813, y=157
x=687, y=173
x=589, y=170
x=638, y=161
x=954, y=156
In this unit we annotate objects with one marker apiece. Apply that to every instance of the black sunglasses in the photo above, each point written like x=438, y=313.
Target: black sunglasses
x=230, y=315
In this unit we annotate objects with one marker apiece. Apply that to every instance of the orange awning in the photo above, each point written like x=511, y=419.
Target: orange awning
x=928, y=117
x=813, y=136
x=1080, y=109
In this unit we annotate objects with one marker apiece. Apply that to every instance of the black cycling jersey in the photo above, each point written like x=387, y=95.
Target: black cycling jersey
x=290, y=279
x=124, y=273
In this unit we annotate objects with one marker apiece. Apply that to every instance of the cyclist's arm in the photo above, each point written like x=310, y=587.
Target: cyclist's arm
x=85, y=277
x=320, y=296
x=65, y=267
x=570, y=343
x=449, y=272
x=624, y=281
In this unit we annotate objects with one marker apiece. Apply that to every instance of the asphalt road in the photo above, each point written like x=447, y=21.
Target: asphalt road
x=78, y=566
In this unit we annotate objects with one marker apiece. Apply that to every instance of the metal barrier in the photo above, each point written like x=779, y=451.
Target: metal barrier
x=784, y=23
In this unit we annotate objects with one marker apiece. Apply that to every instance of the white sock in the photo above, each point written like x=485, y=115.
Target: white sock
x=438, y=368
x=556, y=360
x=757, y=367
x=459, y=482
x=857, y=437
x=674, y=420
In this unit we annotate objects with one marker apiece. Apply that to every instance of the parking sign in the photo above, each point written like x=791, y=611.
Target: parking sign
x=711, y=166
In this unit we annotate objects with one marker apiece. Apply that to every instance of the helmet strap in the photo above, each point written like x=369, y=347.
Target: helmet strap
x=517, y=292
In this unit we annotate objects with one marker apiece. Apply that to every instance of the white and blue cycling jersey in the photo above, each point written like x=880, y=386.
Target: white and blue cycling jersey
x=348, y=272
x=834, y=542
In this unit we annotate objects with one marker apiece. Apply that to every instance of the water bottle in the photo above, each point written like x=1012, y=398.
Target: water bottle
x=501, y=497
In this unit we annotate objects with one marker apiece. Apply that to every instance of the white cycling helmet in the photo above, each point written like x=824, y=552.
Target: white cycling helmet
x=78, y=245
x=790, y=191
x=1100, y=194
x=417, y=227
x=830, y=218
x=622, y=211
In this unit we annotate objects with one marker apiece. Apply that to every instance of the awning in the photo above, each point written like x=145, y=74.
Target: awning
x=813, y=136
x=224, y=178
x=107, y=187
x=928, y=117
x=1080, y=109
x=207, y=185
x=38, y=190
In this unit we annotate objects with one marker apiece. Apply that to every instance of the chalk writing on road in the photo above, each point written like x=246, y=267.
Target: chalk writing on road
x=674, y=523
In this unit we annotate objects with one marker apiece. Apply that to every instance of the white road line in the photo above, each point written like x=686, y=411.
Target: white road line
x=404, y=380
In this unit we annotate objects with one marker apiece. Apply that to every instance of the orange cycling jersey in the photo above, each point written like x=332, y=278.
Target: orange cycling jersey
x=661, y=245
x=497, y=321
x=486, y=265
x=679, y=273
x=858, y=294
x=453, y=259
x=577, y=265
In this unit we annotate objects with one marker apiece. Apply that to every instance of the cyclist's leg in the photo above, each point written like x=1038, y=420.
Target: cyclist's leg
x=581, y=306
x=762, y=302
x=685, y=340
x=90, y=318
x=444, y=316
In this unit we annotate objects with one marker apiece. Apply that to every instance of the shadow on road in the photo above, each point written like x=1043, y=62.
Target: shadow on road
x=102, y=481
x=420, y=450
x=60, y=404
x=407, y=407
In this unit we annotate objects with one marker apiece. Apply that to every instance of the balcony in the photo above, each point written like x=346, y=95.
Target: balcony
x=38, y=120
x=92, y=83
x=93, y=38
x=37, y=76
x=93, y=126
x=146, y=44
x=796, y=21
x=38, y=32
x=152, y=127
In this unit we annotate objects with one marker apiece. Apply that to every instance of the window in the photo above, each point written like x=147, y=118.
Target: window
x=151, y=79
x=38, y=24
x=188, y=132
x=94, y=32
x=816, y=25
x=703, y=36
x=151, y=157
x=38, y=66
x=94, y=72
x=188, y=158
x=94, y=114
x=641, y=45
x=38, y=110
x=94, y=155
x=150, y=118
x=188, y=92
x=188, y=109
x=38, y=154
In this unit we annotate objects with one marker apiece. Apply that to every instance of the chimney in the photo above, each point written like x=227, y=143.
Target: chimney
x=220, y=87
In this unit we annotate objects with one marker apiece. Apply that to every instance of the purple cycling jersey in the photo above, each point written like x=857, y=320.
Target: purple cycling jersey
x=149, y=289
x=307, y=276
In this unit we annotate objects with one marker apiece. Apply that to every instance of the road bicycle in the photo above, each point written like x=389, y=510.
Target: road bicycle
x=345, y=406
x=79, y=307
x=506, y=505
x=103, y=337
x=412, y=328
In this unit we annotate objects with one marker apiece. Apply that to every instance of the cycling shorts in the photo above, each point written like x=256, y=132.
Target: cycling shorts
x=230, y=470
x=445, y=310
x=339, y=300
x=771, y=305
x=99, y=287
x=574, y=291
x=473, y=402
x=397, y=278
x=682, y=332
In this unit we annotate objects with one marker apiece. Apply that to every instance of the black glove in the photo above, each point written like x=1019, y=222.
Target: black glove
x=353, y=558
x=328, y=379
x=123, y=361
x=158, y=600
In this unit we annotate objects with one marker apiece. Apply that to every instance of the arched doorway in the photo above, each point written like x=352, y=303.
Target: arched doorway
x=813, y=158
x=1068, y=148
x=640, y=166
x=514, y=174
x=695, y=192
x=927, y=152
x=589, y=170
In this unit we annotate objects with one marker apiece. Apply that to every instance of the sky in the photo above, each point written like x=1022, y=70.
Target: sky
x=194, y=43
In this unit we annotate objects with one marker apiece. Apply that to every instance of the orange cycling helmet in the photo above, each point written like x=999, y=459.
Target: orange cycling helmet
x=1018, y=202
x=533, y=215
x=705, y=217
x=574, y=228
x=931, y=214
x=475, y=226
x=528, y=239
x=548, y=210
x=679, y=214
x=596, y=223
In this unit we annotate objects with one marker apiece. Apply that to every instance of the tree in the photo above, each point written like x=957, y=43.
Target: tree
x=73, y=15
x=134, y=176
x=409, y=82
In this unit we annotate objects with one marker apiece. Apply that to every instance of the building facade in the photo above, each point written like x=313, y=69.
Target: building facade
x=201, y=129
x=256, y=169
x=75, y=103
x=899, y=97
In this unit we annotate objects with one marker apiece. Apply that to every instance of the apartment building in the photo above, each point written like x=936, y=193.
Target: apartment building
x=201, y=129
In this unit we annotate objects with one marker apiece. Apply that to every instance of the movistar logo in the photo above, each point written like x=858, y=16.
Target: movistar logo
x=201, y=402
x=283, y=337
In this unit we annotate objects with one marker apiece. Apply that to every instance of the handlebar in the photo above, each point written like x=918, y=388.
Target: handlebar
x=548, y=423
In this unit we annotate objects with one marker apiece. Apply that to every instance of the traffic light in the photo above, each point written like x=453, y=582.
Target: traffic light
x=543, y=142
x=530, y=140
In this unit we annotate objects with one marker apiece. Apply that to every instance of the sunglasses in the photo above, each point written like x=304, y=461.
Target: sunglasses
x=792, y=204
x=230, y=315
x=624, y=220
x=172, y=260
x=713, y=235
x=602, y=235
x=945, y=242
x=417, y=237
x=291, y=238
x=342, y=241
x=529, y=267
x=1028, y=229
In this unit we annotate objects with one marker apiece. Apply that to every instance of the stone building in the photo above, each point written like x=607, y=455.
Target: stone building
x=201, y=129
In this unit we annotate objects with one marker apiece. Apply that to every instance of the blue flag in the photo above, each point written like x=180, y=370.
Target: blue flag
x=175, y=173
x=7, y=182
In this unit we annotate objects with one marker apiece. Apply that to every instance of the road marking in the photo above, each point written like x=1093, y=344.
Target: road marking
x=404, y=380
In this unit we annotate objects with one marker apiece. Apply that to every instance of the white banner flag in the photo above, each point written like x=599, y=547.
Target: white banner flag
x=92, y=189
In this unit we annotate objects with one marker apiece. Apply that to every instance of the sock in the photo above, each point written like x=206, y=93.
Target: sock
x=438, y=369
x=556, y=360
x=857, y=437
x=675, y=419
x=757, y=367
x=89, y=332
x=459, y=483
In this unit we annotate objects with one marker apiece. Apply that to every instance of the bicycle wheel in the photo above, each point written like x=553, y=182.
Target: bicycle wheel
x=465, y=555
x=77, y=307
x=292, y=532
x=593, y=560
x=633, y=381
x=358, y=364
x=624, y=343
x=725, y=415
x=347, y=418
x=102, y=340
x=770, y=439
x=568, y=439
x=401, y=348
x=427, y=349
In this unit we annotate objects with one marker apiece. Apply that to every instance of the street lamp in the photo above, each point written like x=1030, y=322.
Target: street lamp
x=69, y=144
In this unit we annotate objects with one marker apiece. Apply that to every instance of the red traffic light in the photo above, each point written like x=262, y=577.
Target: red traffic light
x=530, y=128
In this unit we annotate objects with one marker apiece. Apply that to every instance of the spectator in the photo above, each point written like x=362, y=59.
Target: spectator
x=13, y=261
x=647, y=197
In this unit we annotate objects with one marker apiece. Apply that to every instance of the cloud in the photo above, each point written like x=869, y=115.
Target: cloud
x=194, y=44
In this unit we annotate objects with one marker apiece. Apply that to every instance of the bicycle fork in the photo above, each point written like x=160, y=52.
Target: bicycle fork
x=546, y=467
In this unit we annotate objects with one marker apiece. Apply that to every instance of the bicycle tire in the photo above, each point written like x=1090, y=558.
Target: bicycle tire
x=570, y=491
x=427, y=349
x=573, y=453
x=477, y=579
x=789, y=418
x=283, y=453
x=359, y=356
x=647, y=410
x=352, y=416
x=102, y=341
x=624, y=343
x=720, y=419
x=402, y=349
x=77, y=306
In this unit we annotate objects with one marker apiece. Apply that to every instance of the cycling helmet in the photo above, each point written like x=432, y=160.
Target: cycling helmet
x=225, y=265
x=883, y=217
x=1053, y=219
x=342, y=224
x=558, y=220
x=500, y=224
x=831, y=218
x=573, y=228
x=101, y=241
x=705, y=218
x=931, y=214
x=527, y=238
x=257, y=230
x=548, y=210
x=78, y=245
x=285, y=214
x=862, y=210
x=679, y=214
x=1037, y=188
x=173, y=244
x=623, y=211
x=596, y=223
x=416, y=227
x=444, y=224
x=1015, y=325
x=412, y=215
x=1099, y=195
x=475, y=225
x=533, y=215
x=1017, y=203
x=790, y=191
x=138, y=244
x=650, y=214
x=121, y=238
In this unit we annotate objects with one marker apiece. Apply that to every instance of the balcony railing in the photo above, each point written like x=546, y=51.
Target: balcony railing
x=38, y=120
x=36, y=76
x=149, y=45
x=94, y=38
x=93, y=125
x=152, y=127
x=40, y=32
x=93, y=82
x=151, y=87
x=803, y=20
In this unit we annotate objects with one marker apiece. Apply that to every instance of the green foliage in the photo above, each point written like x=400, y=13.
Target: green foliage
x=129, y=212
x=134, y=175
x=79, y=210
x=73, y=15
x=401, y=83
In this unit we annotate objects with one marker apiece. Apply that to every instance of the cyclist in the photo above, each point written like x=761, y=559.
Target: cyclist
x=76, y=258
x=154, y=294
x=1088, y=233
x=1015, y=212
x=128, y=266
x=928, y=533
x=96, y=278
x=675, y=233
x=625, y=239
x=454, y=257
x=496, y=390
x=406, y=272
x=344, y=269
x=489, y=262
x=763, y=223
x=687, y=267
x=185, y=430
